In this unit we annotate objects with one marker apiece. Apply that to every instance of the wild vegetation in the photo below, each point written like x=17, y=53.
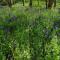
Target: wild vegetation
x=29, y=30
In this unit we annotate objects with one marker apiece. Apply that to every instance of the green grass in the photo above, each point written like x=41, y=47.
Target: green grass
x=29, y=32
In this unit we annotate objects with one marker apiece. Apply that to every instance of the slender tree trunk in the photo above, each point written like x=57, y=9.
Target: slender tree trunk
x=23, y=2
x=46, y=4
x=38, y=2
x=54, y=3
x=30, y=4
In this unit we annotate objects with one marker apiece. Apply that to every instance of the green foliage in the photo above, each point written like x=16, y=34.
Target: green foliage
x=30, y=33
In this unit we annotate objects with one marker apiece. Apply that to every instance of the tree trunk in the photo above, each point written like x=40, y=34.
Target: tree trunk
x=54, y=3
x=23, y=2
x=10, y=2
x=46, y=3
x=49, y=3
x=30, y=4
x=38, y=2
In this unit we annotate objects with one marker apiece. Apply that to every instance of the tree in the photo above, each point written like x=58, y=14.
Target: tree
x=46, y=4
x=30, y=4
x=54, y=3
x=10, y=2
x=7, y=2
x=38, y=2
x=23, y=2
x=49, y=3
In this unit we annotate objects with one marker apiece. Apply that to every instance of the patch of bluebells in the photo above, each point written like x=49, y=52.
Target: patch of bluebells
x=11, y=19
